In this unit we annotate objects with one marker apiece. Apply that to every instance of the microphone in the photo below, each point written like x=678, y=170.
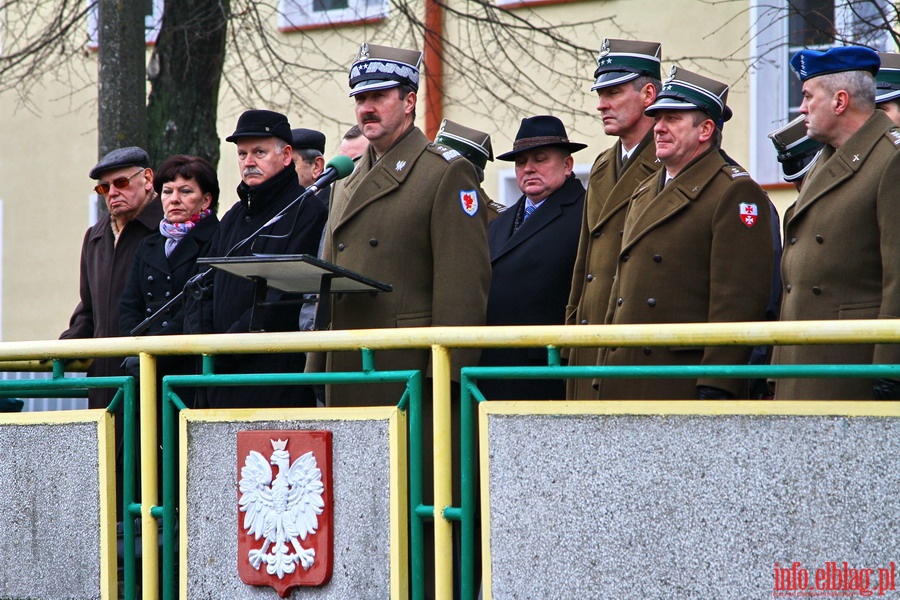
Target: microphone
x=337, y=168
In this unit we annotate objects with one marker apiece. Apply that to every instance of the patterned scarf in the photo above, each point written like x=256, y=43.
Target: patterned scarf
x=173, y=232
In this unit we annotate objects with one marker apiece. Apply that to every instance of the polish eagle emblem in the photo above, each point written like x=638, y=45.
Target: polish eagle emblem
x=282, y=509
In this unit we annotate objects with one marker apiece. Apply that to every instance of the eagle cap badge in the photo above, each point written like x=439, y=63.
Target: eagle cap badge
x=285, y=508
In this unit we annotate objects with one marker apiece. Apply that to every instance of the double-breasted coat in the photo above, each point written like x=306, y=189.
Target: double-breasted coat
x=105, y=266
x=697, y=250
x=531, y=274
x=412, y=219
x=610, y=187
x=842, y=256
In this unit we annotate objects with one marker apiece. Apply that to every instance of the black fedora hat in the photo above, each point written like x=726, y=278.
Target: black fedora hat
x=542, y=130
x=261, y=123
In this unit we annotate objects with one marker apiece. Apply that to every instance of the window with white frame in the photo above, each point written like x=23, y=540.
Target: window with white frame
x=296, y=14
x=781, y=28
x=153, y=12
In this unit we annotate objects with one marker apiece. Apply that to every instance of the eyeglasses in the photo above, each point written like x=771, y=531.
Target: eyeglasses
x=121, y=183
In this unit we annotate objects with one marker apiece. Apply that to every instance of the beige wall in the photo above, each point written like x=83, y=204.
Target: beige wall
x=51, y=147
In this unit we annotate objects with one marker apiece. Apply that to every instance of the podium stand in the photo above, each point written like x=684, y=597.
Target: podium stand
x=294, y=273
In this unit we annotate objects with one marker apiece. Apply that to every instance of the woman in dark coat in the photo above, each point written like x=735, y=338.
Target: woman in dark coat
x=189, y=190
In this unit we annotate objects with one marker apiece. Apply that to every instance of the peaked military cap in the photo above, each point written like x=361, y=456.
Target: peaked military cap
x=473, y=144
x=383, y=67
x=620, y=61
x=887, y=82
x=261, y=123
x=307, y=139
x=542, y=130
x=684, y=90
x=132, y=156
x=807, y=64
x=796, y=150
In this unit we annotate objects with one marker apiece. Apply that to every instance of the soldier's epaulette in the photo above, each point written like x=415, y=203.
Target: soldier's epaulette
x=894, y=134
x=735, y=171
x=497, y=206
x=445, y=152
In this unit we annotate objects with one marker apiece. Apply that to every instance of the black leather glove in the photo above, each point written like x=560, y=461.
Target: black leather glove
x=886, y=389
x=707, y=392
x=132, y=366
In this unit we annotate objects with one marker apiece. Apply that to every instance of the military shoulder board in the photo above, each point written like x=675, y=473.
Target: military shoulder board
x=448, y=153
x=735, y=172
x=497, y=206
x=894, y=134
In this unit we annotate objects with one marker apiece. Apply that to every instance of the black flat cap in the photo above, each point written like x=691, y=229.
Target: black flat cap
x=132, y=156
x=307, y=139
x=261, y=123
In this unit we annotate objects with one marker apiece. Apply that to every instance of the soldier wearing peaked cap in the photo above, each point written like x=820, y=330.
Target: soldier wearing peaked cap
x=796, y=151
x=887, y=85
x=533, y=246
x=695, y=234
x=627, y=79
x=476, y=147
x=842, y=236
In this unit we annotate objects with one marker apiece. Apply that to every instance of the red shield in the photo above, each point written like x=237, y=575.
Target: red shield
x=749, y=214
x=285, y=508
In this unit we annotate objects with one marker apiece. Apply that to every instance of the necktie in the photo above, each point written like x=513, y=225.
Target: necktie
x=529, y=209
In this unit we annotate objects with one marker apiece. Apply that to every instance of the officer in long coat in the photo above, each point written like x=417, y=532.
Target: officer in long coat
x=695, y=234
x=627, y=81
x=409, y=215
x=842, y=237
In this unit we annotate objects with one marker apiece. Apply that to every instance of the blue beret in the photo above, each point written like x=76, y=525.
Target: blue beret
x=807, y=64
x=132, y=156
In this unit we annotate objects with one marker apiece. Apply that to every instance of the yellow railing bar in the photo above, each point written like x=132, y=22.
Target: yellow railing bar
x=149, y=485
x=443, y=468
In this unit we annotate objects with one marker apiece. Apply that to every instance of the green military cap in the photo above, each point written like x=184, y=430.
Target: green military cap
x=796, y=150
x=887, y=81
x=684, y=90
x=382, y=67
x=473, y=144
x=620, y=61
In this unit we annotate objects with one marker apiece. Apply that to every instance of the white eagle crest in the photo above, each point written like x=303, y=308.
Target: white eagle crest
x=282, y=510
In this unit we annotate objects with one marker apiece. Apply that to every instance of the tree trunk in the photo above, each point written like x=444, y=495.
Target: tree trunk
x=185, y=71
x=122, y=93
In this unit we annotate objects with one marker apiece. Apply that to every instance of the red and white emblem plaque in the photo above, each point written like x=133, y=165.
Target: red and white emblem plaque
x=749, y=214
x=285, y=508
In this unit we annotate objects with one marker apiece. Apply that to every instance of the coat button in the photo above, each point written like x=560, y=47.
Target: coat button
x=168, y=294
x=647, y=351
x=787, y=288
x=651, y=302
x=820, y=239
x=149, y=277
x=165, y=323
x=657, y=258
x=373, y=242
x=590, y=277
x=597, y=234
x=793, y=241
x=624, y=258
x=620, y=302
x=246, y=218
x=168, y=278
x=149, y=310
x=585, y=322
x=149, y=294
x=340, y=247
x=817, y=290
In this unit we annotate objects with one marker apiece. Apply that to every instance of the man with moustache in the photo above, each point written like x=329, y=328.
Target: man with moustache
x=627, y=80
x=694, y=235
x=842, y=237
x=268, y=185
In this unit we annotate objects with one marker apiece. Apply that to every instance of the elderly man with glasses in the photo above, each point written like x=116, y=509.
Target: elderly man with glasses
x=125, y=180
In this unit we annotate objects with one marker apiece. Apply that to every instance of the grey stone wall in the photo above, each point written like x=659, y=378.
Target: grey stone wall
x=361, y=479
x=50, y=511
x=682, y=507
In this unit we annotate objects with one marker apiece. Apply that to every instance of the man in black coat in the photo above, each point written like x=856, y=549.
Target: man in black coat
x=533, y=246
x=269, y=184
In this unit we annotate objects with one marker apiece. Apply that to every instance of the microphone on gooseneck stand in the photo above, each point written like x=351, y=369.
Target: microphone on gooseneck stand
x=337, y=168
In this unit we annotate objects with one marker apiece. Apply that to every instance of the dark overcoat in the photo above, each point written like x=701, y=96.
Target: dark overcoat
x=105, y=265
x=842, y=256
x=409, y=220
x=610, y=187
x=695, y=251
x=228, y=305
x=531, y=274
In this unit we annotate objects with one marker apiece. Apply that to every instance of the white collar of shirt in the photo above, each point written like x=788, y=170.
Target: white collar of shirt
x=626, y=153
x=668, y=179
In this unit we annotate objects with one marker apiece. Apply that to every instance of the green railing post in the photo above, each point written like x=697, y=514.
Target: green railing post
x=417, y=520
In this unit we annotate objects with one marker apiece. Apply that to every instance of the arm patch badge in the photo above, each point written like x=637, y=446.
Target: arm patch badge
x=469, y=201
x=749, y=214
